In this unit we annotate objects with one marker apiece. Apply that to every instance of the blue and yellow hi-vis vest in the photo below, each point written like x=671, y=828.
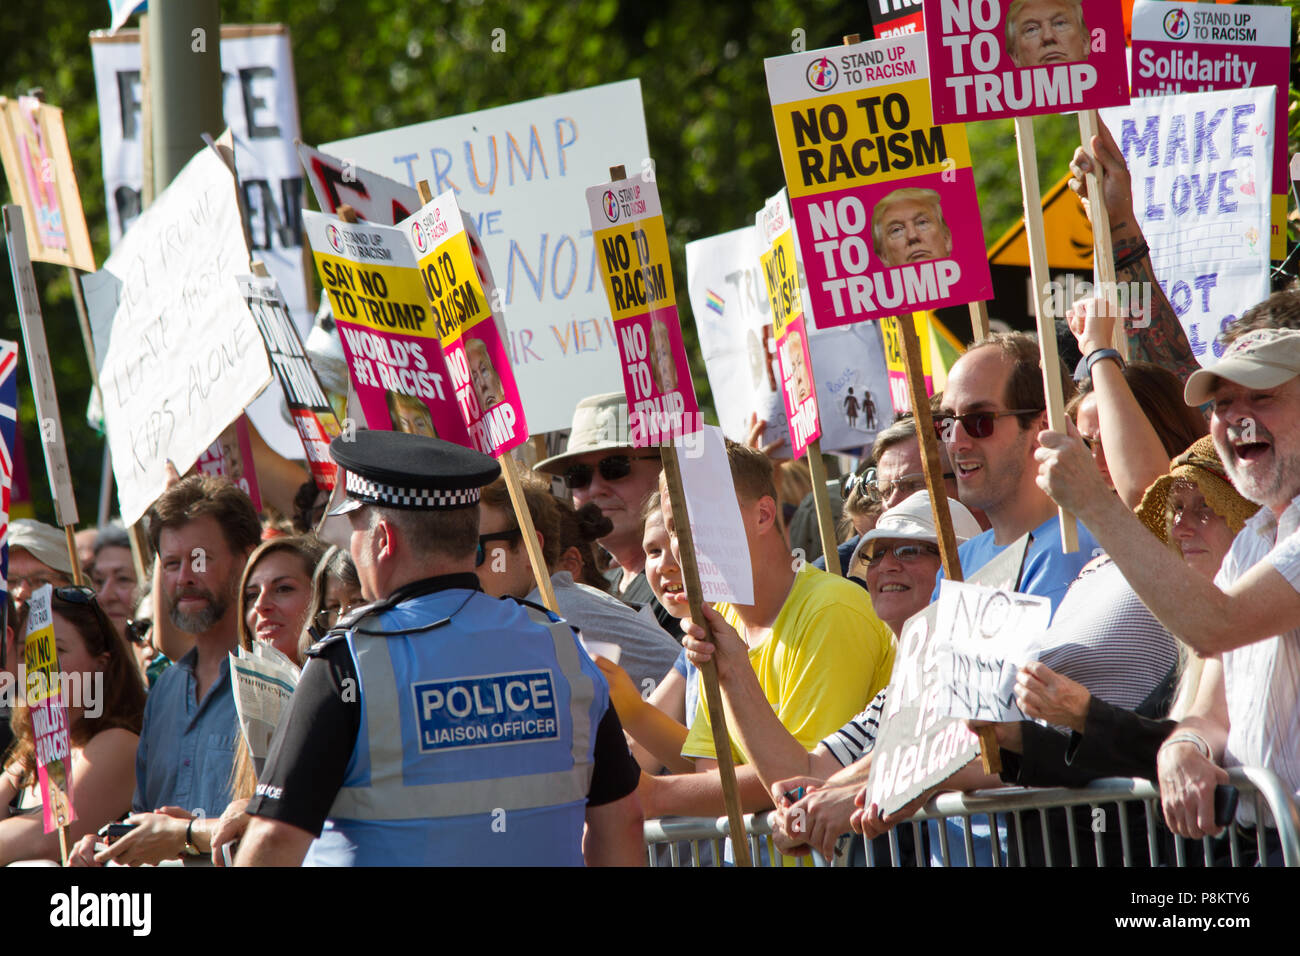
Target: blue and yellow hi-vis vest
x=478, y=727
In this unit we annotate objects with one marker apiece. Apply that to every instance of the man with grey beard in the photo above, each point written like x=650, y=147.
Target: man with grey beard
x=203, y=529
x=1247, y=623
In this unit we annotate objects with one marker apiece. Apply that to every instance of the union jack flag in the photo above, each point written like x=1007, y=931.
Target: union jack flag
x=8, y=435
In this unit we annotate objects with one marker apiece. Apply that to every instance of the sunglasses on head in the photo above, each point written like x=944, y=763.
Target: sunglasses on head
x=611, y=468
x=977, y=424
x=75, y=594
x=483, y=539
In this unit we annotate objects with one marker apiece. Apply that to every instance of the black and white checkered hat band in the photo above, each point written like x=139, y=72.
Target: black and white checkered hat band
x=375, y=493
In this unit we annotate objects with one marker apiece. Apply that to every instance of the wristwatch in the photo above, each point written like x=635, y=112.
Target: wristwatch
x=190, y=848
x=1084, y=369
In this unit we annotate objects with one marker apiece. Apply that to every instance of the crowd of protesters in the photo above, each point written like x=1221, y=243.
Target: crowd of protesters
x=1173, y=650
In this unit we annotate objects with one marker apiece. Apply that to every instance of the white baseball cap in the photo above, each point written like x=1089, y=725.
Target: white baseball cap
x=913, y=520
x=1262, y=358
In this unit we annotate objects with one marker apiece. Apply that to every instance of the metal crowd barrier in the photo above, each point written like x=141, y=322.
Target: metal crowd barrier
x=1021, y=816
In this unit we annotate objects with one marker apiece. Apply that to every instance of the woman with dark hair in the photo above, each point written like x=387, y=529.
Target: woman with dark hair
x=580, y=528
x=104, y=726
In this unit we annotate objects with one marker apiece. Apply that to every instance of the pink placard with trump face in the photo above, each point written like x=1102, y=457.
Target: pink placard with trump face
x=996, y=58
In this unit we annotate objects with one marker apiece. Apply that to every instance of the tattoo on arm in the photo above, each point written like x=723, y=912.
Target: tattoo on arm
x=1163, y=341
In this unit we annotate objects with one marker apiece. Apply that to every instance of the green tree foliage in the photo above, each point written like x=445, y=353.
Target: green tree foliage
x=367, y=65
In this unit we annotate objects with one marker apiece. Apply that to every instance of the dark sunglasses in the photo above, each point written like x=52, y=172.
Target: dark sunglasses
x=137, y=632
x=75, y=594
x=977, y=424
x=902, y=552
x=611, y=467
x=483, y=539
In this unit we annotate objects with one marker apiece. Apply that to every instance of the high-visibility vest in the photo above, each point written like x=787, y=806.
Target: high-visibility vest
x=478, y=727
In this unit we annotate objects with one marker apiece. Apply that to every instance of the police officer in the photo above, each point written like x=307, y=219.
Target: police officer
x=438, y=725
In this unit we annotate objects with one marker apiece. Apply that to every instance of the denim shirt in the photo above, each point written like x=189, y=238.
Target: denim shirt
x=187, y=748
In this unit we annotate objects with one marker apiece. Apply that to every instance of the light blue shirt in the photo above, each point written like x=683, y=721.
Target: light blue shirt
x=187, y=747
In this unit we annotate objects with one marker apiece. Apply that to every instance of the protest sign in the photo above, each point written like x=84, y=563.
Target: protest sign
x=991, y=59
x=984, y=634
x=632, y=257
x=459, y=287
x=716, y=526
x=180, y=355
x=917, y=747
x=1201, y=165
x=38, y=366
x=10, y=448
x=44, y=687
x=892, y=18
x=390, y=338
x=303, y=393
x=785, y=296
x=883, y=200
x=1191, y=48
x=520, y=172
x=38, y=165
x=373, y=197
x=733, y=319
x=889, y=330
x=231, y=456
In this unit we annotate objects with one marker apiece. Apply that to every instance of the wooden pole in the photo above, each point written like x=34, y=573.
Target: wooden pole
x=708, y=671
x=822, y=502
x=1040, y=277
x=979, y=320
x=509, y=471
x=1103, y=252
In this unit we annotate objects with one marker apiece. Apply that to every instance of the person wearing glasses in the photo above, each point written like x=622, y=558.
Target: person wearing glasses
x=487, y=736
x=38, y=555
x=104, y=730
x=645, y=651
x=601, y=466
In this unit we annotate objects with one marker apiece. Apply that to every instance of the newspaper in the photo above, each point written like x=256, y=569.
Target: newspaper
x=263, y=680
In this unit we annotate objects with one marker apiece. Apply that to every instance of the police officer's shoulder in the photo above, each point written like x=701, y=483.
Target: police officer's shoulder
x=538, y=613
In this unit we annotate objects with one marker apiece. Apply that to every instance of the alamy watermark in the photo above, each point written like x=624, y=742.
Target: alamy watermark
x=1132, y=299
x=78, y=689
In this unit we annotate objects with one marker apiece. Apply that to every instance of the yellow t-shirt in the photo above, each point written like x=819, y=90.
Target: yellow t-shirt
x=828, y=655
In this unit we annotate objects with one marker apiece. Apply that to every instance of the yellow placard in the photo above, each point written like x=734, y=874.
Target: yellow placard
x=635, y=268
x=865, y=136
x=383, y=298
x=781, y=274
x=452, y=285
x=41, y=657
x=894, y=345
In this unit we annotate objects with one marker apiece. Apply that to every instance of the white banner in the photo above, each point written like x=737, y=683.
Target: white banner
x=180, y=354
x=261, y=108
x=716, y=525
x=521, y=173
x=734, y=323
x=1202, y=168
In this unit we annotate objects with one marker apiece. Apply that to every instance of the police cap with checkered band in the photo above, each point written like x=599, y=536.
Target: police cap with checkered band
x=399, y=470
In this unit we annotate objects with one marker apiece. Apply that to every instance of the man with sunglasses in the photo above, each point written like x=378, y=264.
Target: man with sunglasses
x=487, y=737
x=601, y=465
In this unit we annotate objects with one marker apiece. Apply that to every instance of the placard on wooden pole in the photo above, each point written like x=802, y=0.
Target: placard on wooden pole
x=1103, y=255
x=1040, y=276
x=708, y=670
x=510, y=471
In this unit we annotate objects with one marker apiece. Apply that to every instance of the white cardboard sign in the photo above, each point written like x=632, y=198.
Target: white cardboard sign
x=720, y=543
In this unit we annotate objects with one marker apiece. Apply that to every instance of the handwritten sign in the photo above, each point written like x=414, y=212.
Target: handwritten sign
x=918, y=746
x=1201, y=165
x=785, y=295
x=632, y=257
x=734, y=324
x=180, y=356
x=38, y=364
x=1190, y=48
x=38, y=165
x=520, y=171
x=884, y=204
x=993, y=58
x=49, y=713
x=374, y=198
x=716, y=525
x=984, y=635
x=390, y=337
x=460, y=289
x=308, y=404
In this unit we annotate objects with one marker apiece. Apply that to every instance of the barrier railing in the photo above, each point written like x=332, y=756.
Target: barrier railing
x=1024, y=840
